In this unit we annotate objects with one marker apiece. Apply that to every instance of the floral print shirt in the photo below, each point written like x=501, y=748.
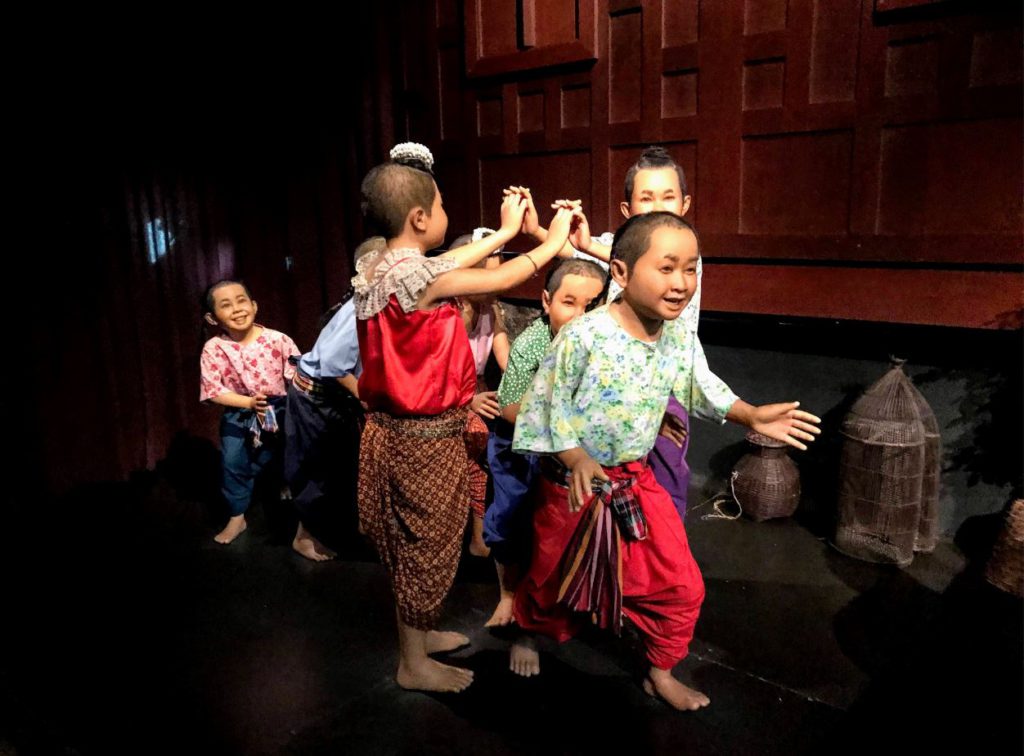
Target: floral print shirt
x=605, y=391
x=248, y=369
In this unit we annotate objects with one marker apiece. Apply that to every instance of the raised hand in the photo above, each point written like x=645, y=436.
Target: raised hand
x=784, y=422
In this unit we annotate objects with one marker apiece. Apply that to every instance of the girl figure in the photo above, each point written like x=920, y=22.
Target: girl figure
x=488, y=341
x=244, y=369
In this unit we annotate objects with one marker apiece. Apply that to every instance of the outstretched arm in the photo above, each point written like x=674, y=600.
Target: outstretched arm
x=783, y=421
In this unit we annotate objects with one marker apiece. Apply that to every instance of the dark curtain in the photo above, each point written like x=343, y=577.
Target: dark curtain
x=156, y=166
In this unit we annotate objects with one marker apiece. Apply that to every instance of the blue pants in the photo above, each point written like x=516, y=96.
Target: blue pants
x=508, y=520
x=321, y=458
x=242, y=463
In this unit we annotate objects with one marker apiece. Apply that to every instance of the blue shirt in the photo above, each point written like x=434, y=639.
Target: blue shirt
x=336, y=351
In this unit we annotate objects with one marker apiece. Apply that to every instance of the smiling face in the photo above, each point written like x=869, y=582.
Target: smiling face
x=664, y=278
x=233, y=310
x=570, y=300
x=656, y=189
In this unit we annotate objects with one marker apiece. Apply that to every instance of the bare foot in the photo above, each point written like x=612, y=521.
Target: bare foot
x=433, y=676
x=311, y=548
x=440, y=641
x=477, y=547
x=661, y=684
x=502, y=613
x=523, y=658
x=235, y=527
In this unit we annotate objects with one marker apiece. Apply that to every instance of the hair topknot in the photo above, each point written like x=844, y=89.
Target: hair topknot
x=414, y=155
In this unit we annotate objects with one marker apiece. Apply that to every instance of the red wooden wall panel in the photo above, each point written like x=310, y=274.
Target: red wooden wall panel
x=839, y=152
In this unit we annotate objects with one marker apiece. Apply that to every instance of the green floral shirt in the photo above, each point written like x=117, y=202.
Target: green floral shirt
x=605, y=391
x=523, y=360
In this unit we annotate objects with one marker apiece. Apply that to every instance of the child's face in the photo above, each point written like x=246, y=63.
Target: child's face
x=656, y=189
x=233, y=310
x=436, y=223
x=570, y=300
x=664, y=278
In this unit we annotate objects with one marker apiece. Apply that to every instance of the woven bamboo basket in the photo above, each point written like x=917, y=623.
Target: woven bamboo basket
x=928, y=525
x=881, y=473
x=1005, y=568
x=766, y=482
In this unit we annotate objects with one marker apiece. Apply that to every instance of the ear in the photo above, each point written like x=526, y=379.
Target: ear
x=210, y=320
x=619, y=272
x=545, y=301
x=418, y=219
x=686, y=204
x=255, y=308
x=624, y=209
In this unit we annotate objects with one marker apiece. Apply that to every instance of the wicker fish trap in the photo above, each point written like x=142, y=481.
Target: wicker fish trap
x=881, y=473
x=1005, y=568
x=928, y=525
x=766, y=482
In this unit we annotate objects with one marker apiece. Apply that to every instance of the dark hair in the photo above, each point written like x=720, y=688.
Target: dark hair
x=654, y=157
x=390, y=191
x=633, y=238
x=326, y=317
x=572, y=267
x=207, y=299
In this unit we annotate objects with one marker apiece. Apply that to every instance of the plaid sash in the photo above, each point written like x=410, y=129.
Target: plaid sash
x=267, y=423
x=592, y=564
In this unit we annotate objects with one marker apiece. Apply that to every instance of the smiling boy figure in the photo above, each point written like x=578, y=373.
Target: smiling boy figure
x=619, y=550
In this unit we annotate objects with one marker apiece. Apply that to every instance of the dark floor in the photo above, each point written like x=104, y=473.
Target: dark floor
x=127, y=630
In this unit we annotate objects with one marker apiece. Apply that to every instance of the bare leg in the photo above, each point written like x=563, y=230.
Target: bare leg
x=523, y=657
x=417, y=671
x=507, y=581
x=309, y=546
x=477, y=547
x=661, y=684
x=235, y=527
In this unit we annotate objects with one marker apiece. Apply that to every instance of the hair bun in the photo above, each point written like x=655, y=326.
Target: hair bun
x=414, y=155
x=656, y=152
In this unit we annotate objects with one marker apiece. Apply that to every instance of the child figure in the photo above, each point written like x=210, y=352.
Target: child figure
x=655, y=182
x=488, y=341
x=418, y=379
x=569, y=290
x=244, y=369
x=619, y=549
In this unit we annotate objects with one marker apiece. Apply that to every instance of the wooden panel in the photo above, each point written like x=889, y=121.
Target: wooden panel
x=995, y=58
x=489, y=116
x=554, y=22
x=761, y=16
x=680, y=22
x=928, y=297
x=763, y=84
x=504, y=36
x=531, y=112
x=796, y=184
x=679, y=94
x=833, y=65
x=948, y=178
x=626, y=55
x=912, y=67
x=575, y=107
x=839, y=140
x=496, y=22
